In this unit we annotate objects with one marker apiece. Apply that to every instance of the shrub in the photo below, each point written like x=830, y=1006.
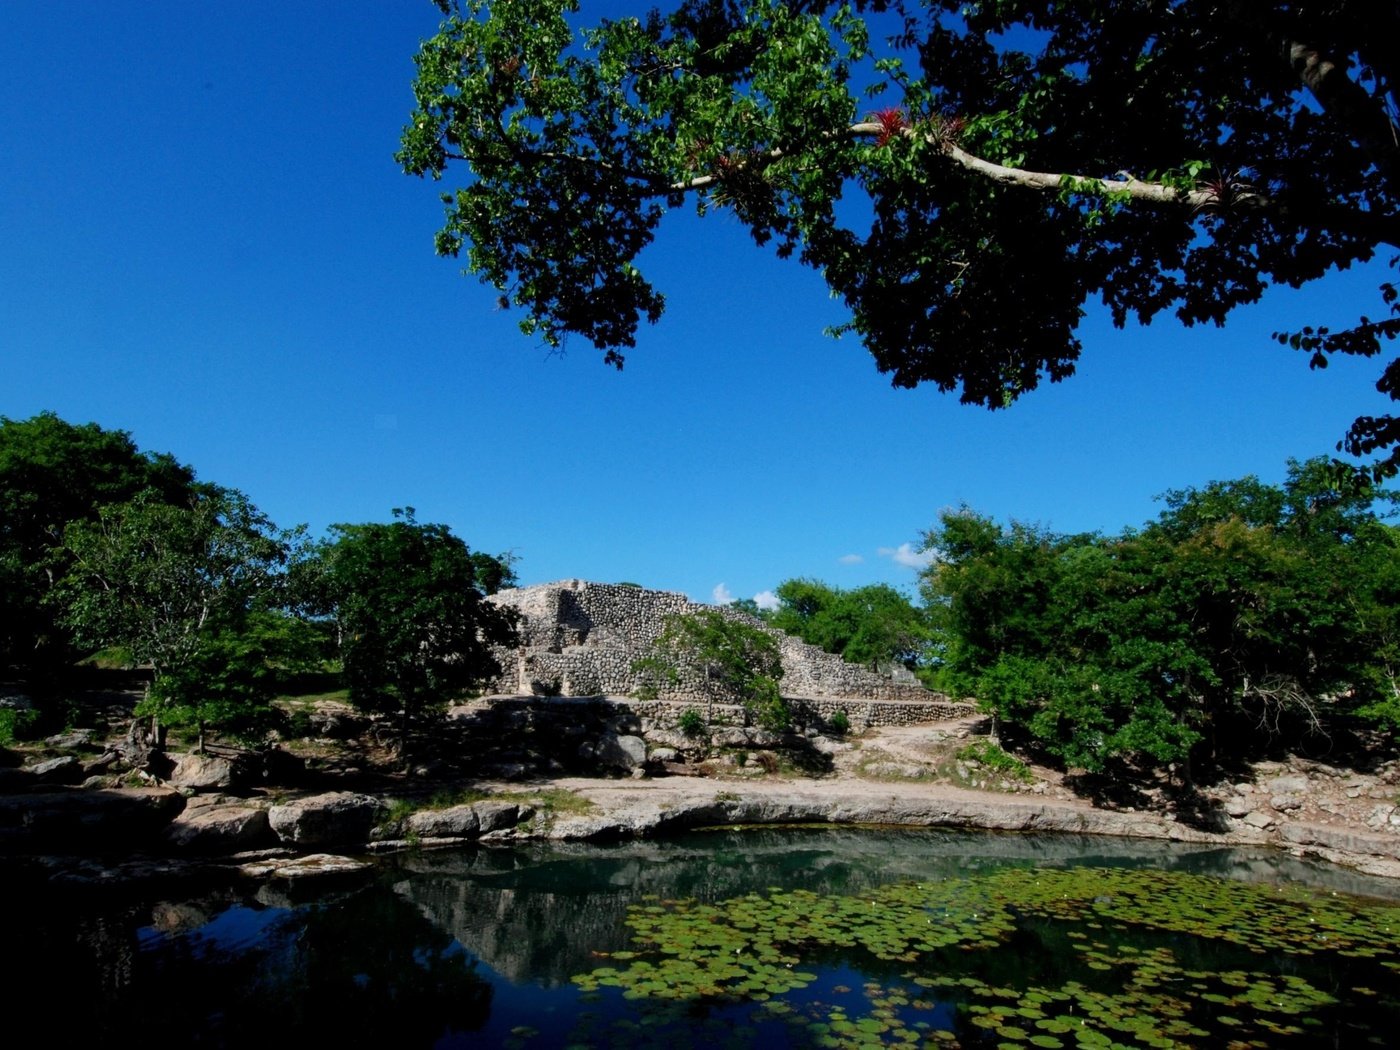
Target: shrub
x=15, y=724
x=691, y=723
x=840, y=723
x=991, y=757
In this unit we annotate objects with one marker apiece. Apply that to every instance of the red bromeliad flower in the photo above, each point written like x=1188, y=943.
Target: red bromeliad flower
x=892, y=123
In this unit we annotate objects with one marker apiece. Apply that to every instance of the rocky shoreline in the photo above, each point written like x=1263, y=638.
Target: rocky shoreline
x=109, y=836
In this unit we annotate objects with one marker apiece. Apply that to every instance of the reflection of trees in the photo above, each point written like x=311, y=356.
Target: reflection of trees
x=538, y=914
x=364, y=970
x=359, y=970
x=379, y=965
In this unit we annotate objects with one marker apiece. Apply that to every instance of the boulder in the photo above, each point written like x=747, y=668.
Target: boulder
x=74, y=739
x=313, y=865
x=202, y=772
x=453, y=822
x=66, y=770
x=335, y=818
x=1237, y=807
x=621, y=752
x=74, y=820
x=1293, y=785
x=732, y=737
x=500, y=815
x=329, y=718
x=220, y=829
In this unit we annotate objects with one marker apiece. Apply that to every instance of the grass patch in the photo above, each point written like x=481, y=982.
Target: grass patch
x=558, y=800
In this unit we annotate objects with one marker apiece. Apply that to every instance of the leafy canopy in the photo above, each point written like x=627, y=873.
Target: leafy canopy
x=52, y=473
x=190, y=589
x=967, y=177
x=873, y=625
x=406, y=599
x=1245, y=611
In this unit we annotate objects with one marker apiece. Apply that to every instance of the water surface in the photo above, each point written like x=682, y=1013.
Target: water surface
x=801, y=937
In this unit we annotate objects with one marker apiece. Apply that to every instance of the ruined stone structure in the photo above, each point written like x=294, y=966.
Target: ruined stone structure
x=581, y=639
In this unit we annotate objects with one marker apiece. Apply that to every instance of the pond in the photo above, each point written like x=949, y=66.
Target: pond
x=800, y=937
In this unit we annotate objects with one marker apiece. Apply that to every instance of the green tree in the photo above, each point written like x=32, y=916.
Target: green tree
x=966, y=177
x=53, y=473
x=187, y=589
x=406, y=599
x=873, y=625
x=731, y=658
x=1245, y=610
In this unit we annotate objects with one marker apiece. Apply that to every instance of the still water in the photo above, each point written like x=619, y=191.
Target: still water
x=821, y=937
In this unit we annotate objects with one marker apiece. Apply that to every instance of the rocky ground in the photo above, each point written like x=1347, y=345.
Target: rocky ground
x=513, y=770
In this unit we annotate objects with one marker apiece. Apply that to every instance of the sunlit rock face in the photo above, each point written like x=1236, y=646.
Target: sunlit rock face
x=578, y=638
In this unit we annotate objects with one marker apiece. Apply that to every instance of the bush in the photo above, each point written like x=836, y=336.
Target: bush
x=840, y=723
x=691, y=723
x=15, y=724
x=993, y=758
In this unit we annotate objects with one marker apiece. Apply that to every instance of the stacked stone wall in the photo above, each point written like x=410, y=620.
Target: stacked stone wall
x=578, y=638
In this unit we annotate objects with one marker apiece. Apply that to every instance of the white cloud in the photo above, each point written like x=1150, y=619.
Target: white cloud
x=906, y=555
x=851, y=559
x=720, y=595
x=766, y=600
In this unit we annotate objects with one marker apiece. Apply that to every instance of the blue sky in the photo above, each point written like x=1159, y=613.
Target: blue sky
x=204, y=240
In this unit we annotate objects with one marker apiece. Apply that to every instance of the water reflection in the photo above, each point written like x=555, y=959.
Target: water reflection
x=478, y=946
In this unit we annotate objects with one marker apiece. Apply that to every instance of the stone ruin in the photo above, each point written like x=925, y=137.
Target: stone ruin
x=578, y=638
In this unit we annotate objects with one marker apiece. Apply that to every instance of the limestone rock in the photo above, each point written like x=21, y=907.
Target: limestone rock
x=220, y=829
x=1291, y=785
x=1341, y=839
x=1380, y=815
x=732, y=737
x=1286, y=803
x=74, y=820
x=621, y=752
x=335, y=818
x=313, y=865
x=74, y=739
x=202, y=772
x=66, y=770
x=1259, y=819
x=330, y=718
x=1237, y=807
x=500, y=815
x=453, y=822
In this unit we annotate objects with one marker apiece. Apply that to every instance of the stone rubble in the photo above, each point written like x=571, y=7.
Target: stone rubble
x=578, y=638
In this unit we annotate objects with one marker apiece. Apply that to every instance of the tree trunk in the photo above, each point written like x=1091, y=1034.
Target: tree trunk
x=145, y=737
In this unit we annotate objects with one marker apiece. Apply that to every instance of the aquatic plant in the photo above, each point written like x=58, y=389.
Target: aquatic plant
x=1080, y=957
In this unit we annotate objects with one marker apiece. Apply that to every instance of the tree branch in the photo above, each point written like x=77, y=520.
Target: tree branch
x=1348, y=102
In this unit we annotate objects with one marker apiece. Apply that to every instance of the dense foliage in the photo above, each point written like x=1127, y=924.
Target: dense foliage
x=406, y=600
x=53, y=473
x=966, y=177
x=1245, y=607
x=105, y=547
x=734, y=658
x=873, y=625
x=192, y=590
